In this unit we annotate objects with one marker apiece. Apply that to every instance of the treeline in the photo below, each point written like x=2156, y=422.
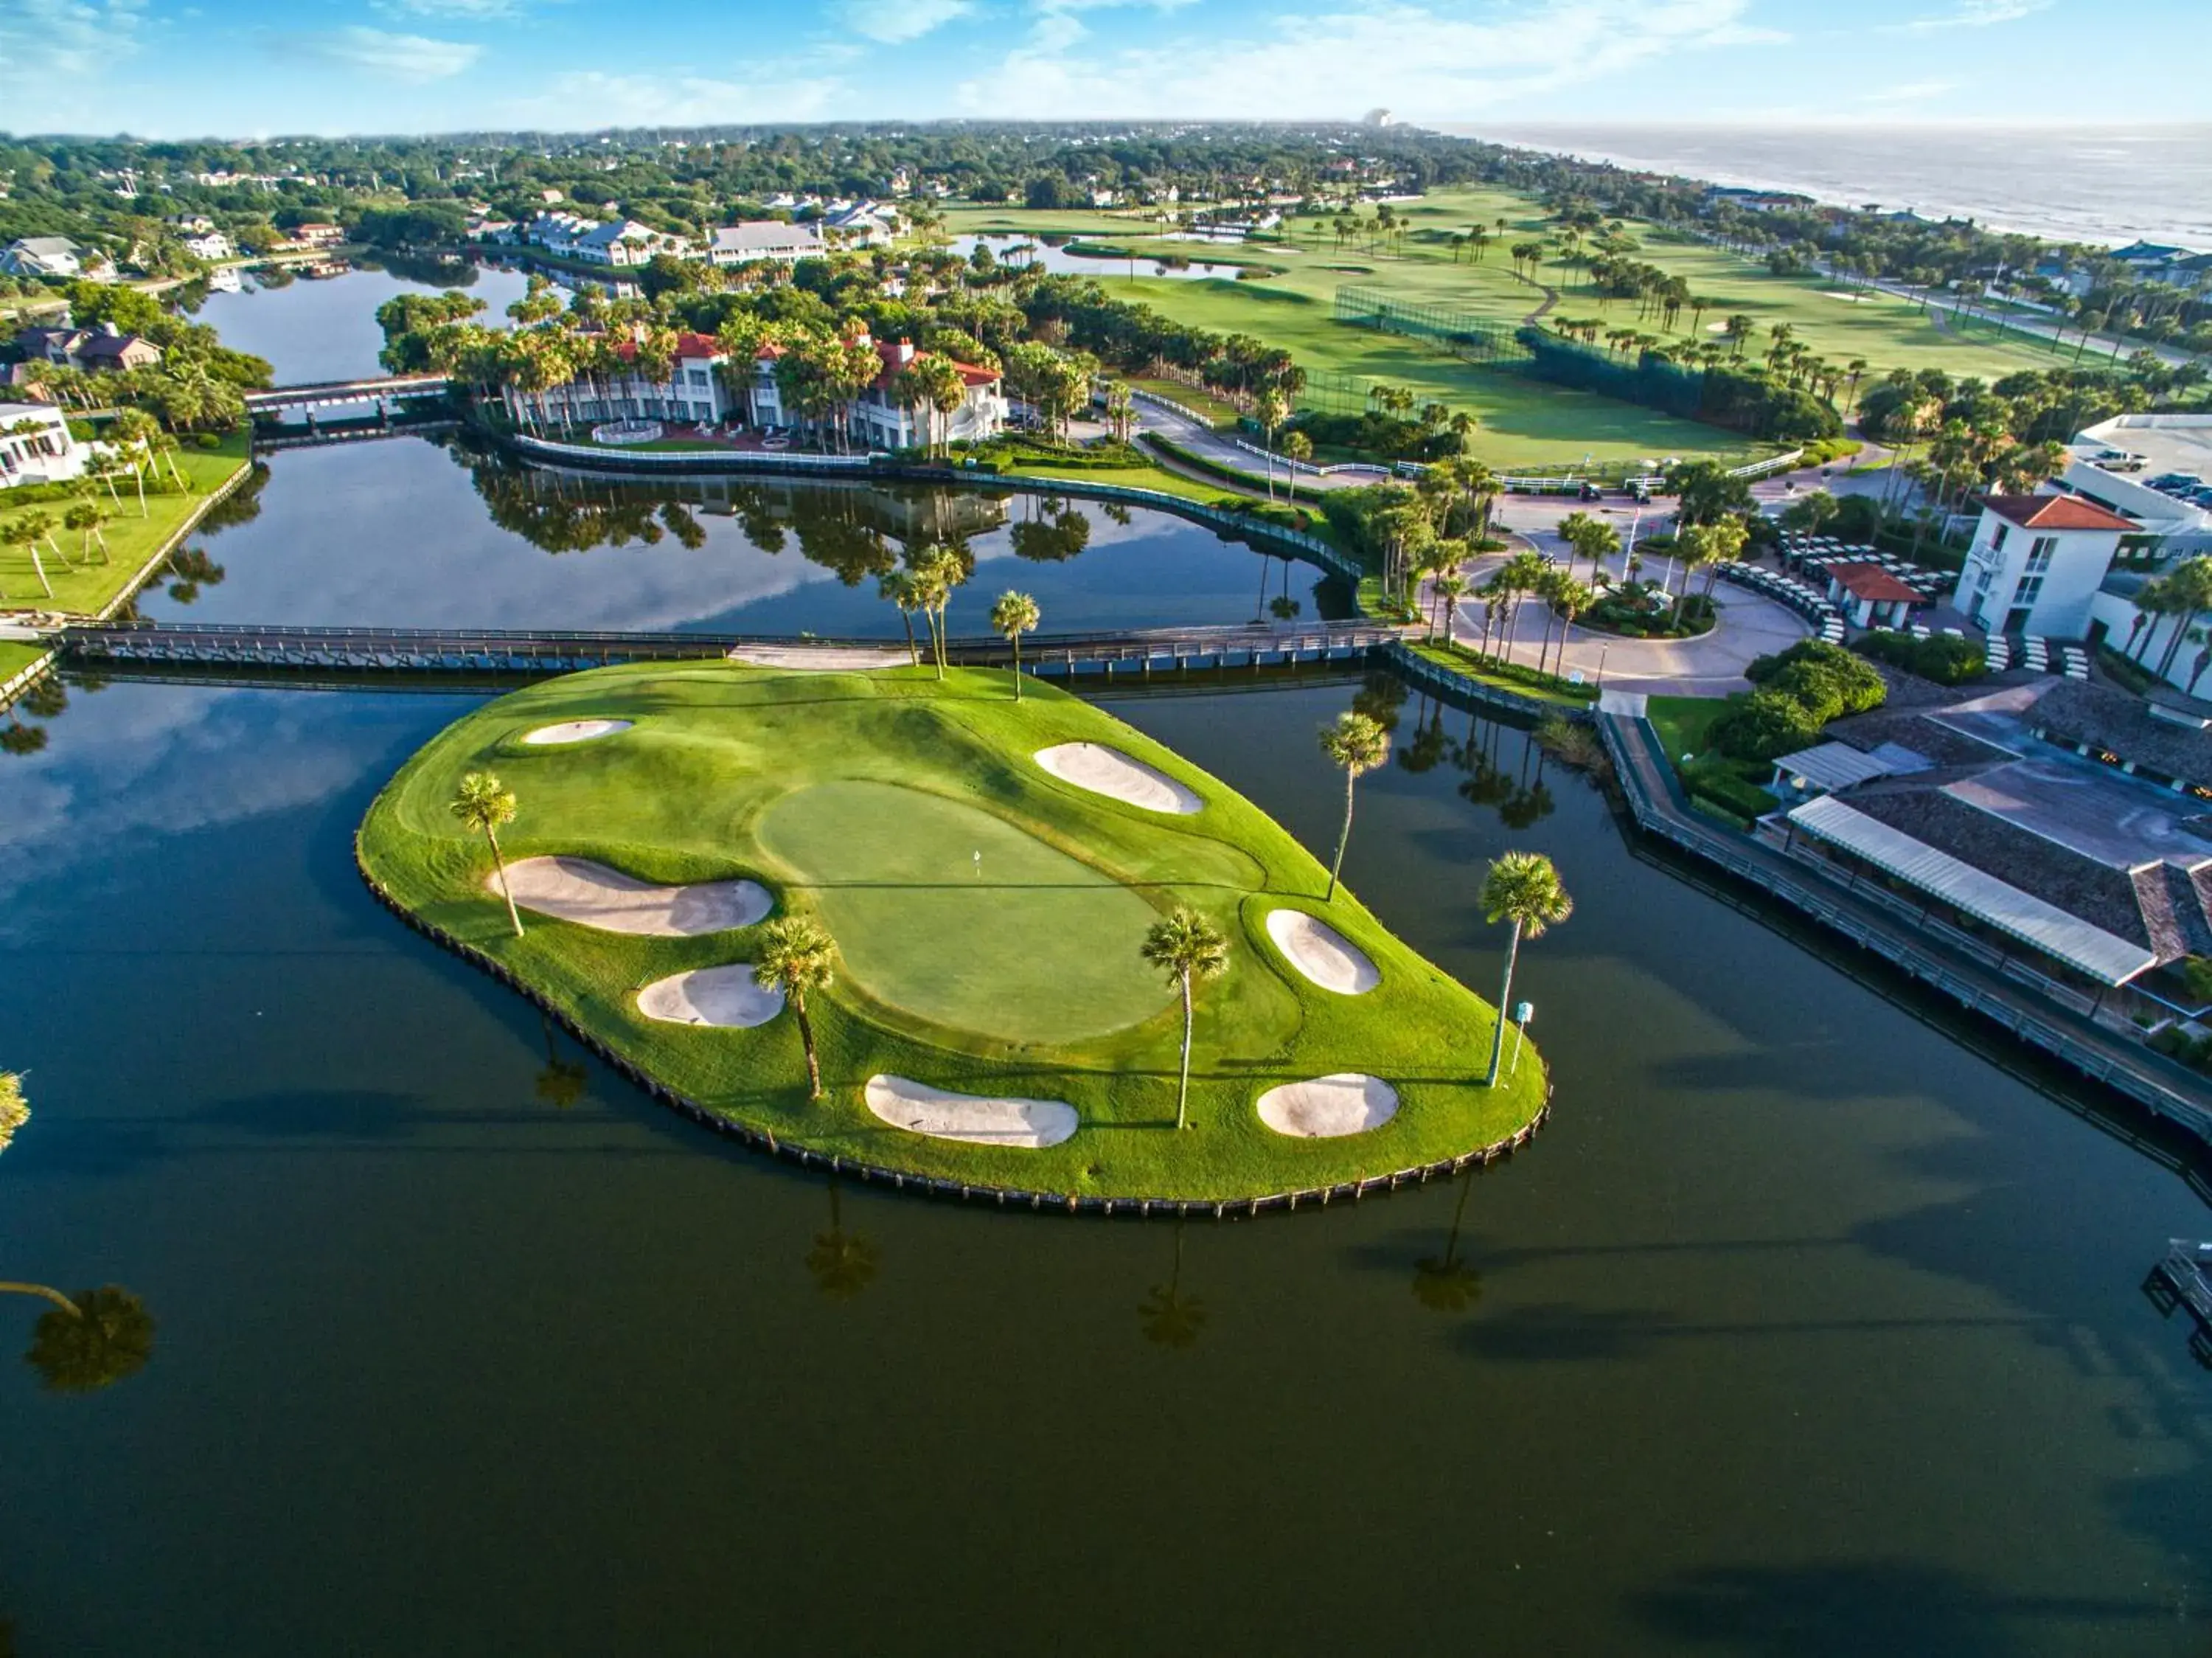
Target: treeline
x=198, y=386
x=1741, y=399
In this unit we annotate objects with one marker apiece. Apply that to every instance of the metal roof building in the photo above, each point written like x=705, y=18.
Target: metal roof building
x=2102, y=956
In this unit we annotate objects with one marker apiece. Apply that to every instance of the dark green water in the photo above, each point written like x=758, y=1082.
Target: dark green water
x=1804, y=1330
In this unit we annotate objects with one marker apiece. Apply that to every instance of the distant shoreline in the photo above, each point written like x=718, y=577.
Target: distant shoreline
x=2177, y=209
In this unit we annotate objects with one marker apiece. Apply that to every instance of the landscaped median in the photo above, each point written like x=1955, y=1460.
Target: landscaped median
x=989, y=872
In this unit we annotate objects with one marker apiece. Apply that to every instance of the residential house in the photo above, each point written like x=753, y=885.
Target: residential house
x=211, y=246
x=621, y=242
x=102, y=350
x=42, y=256
x=765, y=238
x=2150, y=261
x=860, y=224
x=2036, y=561
x=35, y=445
x=318, y=236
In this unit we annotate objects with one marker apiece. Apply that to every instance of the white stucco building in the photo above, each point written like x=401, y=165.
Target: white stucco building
x=766, y=239
x=35, y=445
x=2036, y=563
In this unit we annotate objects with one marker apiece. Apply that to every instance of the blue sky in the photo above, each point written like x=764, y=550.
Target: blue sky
x=242, y=68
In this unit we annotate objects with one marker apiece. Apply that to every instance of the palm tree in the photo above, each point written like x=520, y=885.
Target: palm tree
x=485, y=804
x=15, y=1110
x=1188, y=946
x=797, y=956
x=23, y=533
x=84, y=517
x=900, y=588
x=93, y=1339
x=1523, y=889
x=1015, y=615
x=1450, y=588
x=1358, y=744
x=1271, y=410
x=1297, y=448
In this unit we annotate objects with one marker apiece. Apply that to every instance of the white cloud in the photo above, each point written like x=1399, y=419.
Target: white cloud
x=411, y=57
x=45, y=40
x=1973, y=14
x=893, y=22
x=465, y=11
x=593, y=98
x=1426, y=64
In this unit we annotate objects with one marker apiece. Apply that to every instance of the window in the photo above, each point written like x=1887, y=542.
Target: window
x=2038, y=553
x=2029, y=591
x=1997, y=541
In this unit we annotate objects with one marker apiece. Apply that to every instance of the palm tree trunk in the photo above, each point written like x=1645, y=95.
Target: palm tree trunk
x=806, y=1038
x=1017, y=641
x=1183, y=1085
x=940, y=641
x=1343, y=837
x=38, y=565
x=913, y=650
x=44, y=1294
x=505, y=891
x=138, y=474
x=2173, y=645
x=1505, y=1002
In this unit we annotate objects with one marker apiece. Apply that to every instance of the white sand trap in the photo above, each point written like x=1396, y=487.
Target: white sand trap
x=1849, y=299
x=1105, y=771
x=727, y=996
x=576, y=731
x=839, y=659
x=1322, y=953
x=1348, y=1102
x=1029, y=1124
x=579, y=890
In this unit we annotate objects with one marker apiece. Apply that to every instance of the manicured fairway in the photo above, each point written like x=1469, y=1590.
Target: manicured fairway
x=862, y=799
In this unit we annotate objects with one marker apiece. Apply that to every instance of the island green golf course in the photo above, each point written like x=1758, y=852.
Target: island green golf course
x=988, y=871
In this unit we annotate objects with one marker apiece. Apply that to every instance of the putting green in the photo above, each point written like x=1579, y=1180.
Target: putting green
x=1024, y=943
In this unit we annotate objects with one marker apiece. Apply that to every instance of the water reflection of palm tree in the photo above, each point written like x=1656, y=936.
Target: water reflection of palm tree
x=562, y=1084
x=1168, y=1316
x=843, y=1263
x=1429, y=745
x=1444, y=1283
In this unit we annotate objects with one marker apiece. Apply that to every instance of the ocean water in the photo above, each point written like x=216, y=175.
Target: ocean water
x=2109, y=184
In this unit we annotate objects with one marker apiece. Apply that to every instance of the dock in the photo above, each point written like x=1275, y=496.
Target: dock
x=2183, y=1278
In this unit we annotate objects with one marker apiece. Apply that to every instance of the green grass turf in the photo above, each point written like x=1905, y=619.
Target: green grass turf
x=15, y=658
x=860, y=799
x=85, y=586
x=896, y=871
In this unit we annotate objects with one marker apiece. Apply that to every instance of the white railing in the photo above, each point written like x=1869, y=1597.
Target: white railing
x=1307, y=466
x=1772, y=464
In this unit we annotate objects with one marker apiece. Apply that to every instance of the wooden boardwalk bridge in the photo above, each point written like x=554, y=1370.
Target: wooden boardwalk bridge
x=1136, y=653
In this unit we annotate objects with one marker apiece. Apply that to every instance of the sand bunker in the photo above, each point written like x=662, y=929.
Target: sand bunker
x=1105, y=771
x=711, y=996
x=1849, y=299
x=1326, y=1106
x=1322, y=953
x=576, y=731
x=579, y=890
x=1029, y=1124
x=837, y=659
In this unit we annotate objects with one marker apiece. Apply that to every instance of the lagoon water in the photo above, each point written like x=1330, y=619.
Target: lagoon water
x=1804, y=1329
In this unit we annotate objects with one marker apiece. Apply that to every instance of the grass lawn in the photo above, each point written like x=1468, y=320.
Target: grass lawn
x=84, y=588
x=1731, y=788
x=1463, y=662
x=1196, y=399
x=15, y=658
x=862, y=799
